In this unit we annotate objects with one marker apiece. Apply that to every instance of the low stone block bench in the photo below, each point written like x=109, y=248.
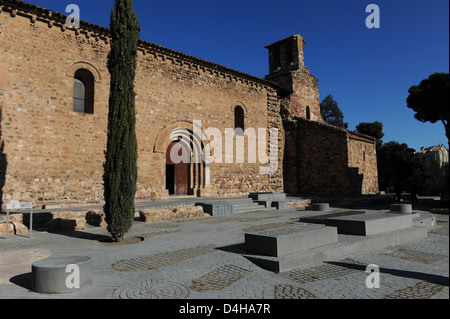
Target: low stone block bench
x=320, y=219
x=280, y=204
x=217, y=208
x=370, y=224
x=268, y=196
x=290, y=240
x=402, y=208
x=265, y=203
x=57, y=275
x=321, y=207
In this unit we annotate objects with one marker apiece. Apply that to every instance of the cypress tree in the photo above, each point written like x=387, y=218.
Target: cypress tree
x=120, y=167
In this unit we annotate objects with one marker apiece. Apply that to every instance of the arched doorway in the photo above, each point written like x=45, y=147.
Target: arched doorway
x=177, y=172
x=187, y=147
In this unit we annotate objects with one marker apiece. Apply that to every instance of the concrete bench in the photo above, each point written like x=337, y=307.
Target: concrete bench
x=216, y=208
x=268, y=196
x=290, y=240
x=265, y=203
x=370, y=224
x=280, y=204
x=57, y=275
x=321, y=207
x=402, y=208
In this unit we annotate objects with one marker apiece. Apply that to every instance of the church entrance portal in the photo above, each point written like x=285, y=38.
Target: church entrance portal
x=177, y=174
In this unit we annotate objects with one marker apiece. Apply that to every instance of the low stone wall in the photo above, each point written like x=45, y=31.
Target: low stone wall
x=14, y=229
x=76, y=221
x=16, y=226
x=299, y=204
x=169, y=214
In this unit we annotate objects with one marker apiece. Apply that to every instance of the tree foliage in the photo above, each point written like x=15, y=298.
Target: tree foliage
x=331, y=113
x=395, y=167
x=374, y=129
x=120, y=167
x=430, y=99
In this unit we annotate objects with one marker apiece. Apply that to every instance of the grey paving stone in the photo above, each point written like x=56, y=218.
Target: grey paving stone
x=224, y=236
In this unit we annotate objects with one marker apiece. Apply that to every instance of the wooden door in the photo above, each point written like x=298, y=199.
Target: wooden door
x=177, y=175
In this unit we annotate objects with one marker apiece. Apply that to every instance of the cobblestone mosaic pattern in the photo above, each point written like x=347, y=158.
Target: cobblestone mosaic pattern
x=268, y=226
x=417, y=256
x=30, y=243
x=219, y=278
x=146, y=235
x=161, y=259
x=443, y=231
x=294, y=229
x=422, y=290
x=323, y=271
x=292, y=292
x=153, y=289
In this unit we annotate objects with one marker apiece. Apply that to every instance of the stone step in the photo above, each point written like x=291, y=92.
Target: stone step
x=370, y=224
x=364, y=223
x=250, y=209
x=268, y=196
x=346, y=246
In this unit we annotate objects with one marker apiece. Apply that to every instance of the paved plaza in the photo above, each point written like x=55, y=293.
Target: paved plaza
x=204, y=259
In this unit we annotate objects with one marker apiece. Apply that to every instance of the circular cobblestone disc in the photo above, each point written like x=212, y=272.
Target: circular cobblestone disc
x=153, y=289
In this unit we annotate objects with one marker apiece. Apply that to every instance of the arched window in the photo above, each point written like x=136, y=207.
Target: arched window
x=239, y=118
x=308, y=113
x=83, y=92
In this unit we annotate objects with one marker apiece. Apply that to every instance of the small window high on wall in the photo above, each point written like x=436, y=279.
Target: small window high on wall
x=239, y=118
x=83, y=92
x=308, y=113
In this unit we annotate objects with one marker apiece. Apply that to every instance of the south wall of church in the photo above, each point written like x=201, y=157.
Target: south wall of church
x=54, y=153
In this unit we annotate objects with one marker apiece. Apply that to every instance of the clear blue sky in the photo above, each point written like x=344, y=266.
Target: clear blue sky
x=367, y=71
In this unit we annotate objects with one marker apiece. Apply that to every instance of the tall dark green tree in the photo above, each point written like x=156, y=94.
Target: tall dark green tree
x=430, y=100
x=395, y=167
x=374, y=129
x=120, y=167
x=331, y=113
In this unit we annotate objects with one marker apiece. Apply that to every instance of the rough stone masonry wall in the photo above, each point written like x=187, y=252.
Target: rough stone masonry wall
x=54, y=153
x=174, y=93
x=304, y=88
x=363, y=157
x=322, y=159
x=51, y=152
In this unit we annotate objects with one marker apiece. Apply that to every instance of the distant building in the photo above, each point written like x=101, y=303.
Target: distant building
x=434, y=154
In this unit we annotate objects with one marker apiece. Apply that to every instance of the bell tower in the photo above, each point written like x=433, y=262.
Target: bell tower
x=287, y=69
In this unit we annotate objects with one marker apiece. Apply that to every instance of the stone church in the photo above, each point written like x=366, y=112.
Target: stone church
x=54, y=89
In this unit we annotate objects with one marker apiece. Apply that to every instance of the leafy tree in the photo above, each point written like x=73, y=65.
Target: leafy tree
x=120, y=167
x=331, y=113
x=374, y=129
x=395, y=167
x=430, y=100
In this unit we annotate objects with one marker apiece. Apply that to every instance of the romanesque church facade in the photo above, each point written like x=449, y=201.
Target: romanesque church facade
x=54, y=89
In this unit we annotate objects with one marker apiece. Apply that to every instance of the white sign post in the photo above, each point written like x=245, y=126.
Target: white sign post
x=19, y=206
